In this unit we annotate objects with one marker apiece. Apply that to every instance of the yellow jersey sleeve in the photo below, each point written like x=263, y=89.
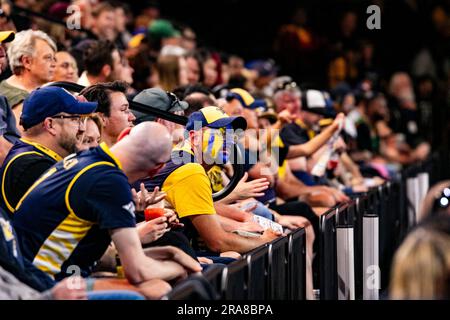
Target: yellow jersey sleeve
x=189, y=191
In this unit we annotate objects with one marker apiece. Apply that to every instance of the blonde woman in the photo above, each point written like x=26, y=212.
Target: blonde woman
x=172, y=72
x=421, y=266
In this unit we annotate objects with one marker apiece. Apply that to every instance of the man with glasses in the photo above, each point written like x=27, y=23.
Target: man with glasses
x=113, y=108
x=53, y=121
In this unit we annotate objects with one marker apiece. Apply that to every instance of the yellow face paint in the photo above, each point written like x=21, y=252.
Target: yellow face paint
x=214, y=145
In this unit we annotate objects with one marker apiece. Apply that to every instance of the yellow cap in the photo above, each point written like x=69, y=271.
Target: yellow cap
x=7, y=36
x=242, y=95
x=135, y=41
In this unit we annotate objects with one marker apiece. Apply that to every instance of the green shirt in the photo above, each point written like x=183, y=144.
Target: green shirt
x=13, y=94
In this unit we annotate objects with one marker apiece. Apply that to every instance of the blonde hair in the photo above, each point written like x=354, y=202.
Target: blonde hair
x=421, y=266
x=168, y=68
x=24, y=45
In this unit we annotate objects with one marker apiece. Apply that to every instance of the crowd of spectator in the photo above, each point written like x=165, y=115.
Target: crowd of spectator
x=80, y=170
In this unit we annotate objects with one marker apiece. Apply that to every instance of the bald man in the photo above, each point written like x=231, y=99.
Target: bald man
x=70, y=215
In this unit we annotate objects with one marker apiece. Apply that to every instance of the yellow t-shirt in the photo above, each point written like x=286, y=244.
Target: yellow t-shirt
x=189, y=191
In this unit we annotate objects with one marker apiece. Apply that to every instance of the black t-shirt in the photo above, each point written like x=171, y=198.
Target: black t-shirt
x=293, y=134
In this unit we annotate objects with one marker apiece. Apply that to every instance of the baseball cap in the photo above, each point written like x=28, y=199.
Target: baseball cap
x=6, y=36
x=318, y=102
x=267, y=113
x=263, y=67
x=48, y=101
x=158, y=99
x=214, y=117
x=245, y=98
x=162, y=29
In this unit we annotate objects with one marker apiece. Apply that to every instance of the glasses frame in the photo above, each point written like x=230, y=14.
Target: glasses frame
x=82, y=118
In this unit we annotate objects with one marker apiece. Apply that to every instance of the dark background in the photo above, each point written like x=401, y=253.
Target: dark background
x=248, y=28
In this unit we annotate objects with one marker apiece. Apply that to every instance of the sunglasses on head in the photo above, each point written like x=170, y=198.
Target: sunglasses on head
x=286, y=85
x=173, y=99
x=442, y=201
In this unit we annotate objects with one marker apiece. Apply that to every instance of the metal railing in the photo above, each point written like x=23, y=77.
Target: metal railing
x=357, y=241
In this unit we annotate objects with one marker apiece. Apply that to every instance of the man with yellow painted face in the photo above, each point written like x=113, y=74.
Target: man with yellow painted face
x=188, y=188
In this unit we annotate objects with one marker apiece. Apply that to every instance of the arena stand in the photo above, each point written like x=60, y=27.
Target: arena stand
x=357, y=241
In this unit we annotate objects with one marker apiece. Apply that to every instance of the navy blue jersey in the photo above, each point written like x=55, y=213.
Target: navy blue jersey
x=23, y=165
x=64, y=219
x=11, y=258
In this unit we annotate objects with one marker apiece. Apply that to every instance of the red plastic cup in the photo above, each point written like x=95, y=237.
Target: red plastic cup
x=153, y=213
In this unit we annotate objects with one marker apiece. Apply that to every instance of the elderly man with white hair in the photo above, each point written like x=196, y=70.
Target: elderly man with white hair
x=32, y=61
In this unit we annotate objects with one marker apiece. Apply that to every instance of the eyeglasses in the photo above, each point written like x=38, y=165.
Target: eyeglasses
x=80, y=118
x=49, y=58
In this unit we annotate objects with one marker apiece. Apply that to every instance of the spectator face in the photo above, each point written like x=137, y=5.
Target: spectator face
x=126, y=71
x=233, y=108
x=236, y=65
x=210, y=72
x=91, y=137
x=69, y=132
x=264, y=123
x=116, y=71
x=3, y=58
x=106, y=25
x=378, y=107
x=66, y=68
x=189, y=40
x=120, y=116
x=289, y=101
x=42, y=65
x=193, y=70
x=121, y=19
x=348, y=104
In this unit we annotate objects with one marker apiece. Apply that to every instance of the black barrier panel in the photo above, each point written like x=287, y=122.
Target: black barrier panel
x=213, y=274
x=234, y=281
x=193, y=288
x=297, y=264
x=258, y=264
x=328, y=255
x=277, y=271
x=389, y=230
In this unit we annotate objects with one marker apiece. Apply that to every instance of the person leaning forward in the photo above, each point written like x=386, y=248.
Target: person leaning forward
x=53, y=120
x=70, y=215
x=188, y=188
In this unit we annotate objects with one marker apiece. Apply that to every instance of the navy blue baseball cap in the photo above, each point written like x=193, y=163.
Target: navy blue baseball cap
x=245, y=98
x=214, y=117
x=49, y=101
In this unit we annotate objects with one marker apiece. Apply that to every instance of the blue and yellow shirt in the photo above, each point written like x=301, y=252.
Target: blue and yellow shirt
x=23, y=165
x=63, y=221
